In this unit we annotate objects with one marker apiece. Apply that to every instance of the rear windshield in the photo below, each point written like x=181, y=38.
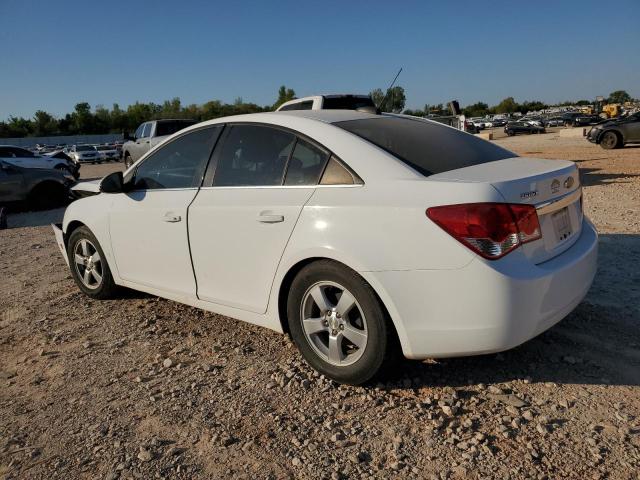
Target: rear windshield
x=169, y=128
x=427, y=147
x=346, y=103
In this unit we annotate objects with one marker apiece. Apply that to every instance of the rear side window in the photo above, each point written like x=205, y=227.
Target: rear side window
x=178, y=164
x=306, y=164
x=253, y=155
x=346, y=102
x=427, y=147
x=337, y=174
x=169, y=128
x=306, y=105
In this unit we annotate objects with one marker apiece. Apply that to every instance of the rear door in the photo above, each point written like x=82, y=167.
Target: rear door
x=148, y=225
x=11, y=184
x=240, y=224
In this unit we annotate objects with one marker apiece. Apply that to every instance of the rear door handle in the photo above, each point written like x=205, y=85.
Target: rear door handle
x=270, y=218
x=171, y=217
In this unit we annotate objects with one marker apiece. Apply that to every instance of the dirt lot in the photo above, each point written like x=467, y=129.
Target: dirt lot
x=87, y=390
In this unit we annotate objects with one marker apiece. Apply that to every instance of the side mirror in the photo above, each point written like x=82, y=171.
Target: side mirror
x=112, y=183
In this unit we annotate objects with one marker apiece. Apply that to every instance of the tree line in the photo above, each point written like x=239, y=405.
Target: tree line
x=85, y=121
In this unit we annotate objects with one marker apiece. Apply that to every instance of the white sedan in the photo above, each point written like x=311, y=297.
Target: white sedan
x=355, y=233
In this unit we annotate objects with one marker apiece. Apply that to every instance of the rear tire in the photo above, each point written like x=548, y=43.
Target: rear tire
x=349, y=337
x=610, y=140
x=89, y=267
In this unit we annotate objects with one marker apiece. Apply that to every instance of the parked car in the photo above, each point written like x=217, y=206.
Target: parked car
x=331, y=102
x=478, y=123
x=569, y=118
x=513, y=128
x=27, y=159
x=74, y=167
x=84, y=154
x=582, y=120
x=498, y=122
x=553, y=122
x=482, y=250
x=108, y=152
x=39, y=188
x=148, y=135
x=617, y=132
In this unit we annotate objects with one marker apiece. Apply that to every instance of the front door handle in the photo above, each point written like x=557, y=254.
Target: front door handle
x=270, y=218
x=171, y=217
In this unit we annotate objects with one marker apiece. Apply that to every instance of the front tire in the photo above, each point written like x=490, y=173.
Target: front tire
x=609, y=140
x=89, y=267
x=127, y=161
x=511, y=133
x=338, y=323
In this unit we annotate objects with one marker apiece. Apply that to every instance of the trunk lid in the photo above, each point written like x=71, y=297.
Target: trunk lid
x=552, y=186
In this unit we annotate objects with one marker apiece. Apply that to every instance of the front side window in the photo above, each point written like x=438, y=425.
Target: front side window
x=427, y=147
x=178, y=164
x=146, y=131
x=139, y=130
x=253, y=156
x=306, y=164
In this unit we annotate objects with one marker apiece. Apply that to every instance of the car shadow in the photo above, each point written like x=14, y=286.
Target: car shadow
x=598, y=343
x=590, y=177
x=19, y=218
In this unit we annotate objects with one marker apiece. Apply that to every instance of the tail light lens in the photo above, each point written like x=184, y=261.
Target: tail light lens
x=489, y=229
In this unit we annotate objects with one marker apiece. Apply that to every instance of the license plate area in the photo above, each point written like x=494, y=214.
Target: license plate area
x=562, y=224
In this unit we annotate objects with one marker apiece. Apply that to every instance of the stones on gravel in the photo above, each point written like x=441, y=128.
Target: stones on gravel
x=145, y=455
x=167, y=363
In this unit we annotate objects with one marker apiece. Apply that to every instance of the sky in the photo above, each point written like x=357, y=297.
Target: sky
x=56, y=54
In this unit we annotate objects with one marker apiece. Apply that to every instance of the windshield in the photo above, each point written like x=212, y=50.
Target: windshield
x=85, y=148
x=427, y=147
x=169, y=128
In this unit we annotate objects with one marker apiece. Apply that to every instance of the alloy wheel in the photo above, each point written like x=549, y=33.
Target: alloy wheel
x=88, y=264
x=334, y=323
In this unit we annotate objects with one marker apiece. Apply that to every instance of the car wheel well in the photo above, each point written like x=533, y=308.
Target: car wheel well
x=287, y=281
x=615, y=132
x=74, y=225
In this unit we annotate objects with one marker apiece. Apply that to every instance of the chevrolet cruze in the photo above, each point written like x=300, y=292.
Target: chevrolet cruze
x=355, y=233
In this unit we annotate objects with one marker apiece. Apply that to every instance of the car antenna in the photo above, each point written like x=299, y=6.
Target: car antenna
x=384, y=100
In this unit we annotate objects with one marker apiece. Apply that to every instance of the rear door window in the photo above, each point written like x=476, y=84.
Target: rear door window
x=253, y=155
x=427, y=147
x=306, y=164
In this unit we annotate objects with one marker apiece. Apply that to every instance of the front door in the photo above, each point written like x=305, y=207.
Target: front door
x=240, y=225
x=148, y=225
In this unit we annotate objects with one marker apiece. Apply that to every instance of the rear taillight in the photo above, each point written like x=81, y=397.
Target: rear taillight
x=490, y=229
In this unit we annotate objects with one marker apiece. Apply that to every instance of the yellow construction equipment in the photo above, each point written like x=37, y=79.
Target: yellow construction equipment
x=611, y=110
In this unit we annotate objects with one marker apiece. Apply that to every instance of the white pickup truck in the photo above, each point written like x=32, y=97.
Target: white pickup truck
x=148, y=135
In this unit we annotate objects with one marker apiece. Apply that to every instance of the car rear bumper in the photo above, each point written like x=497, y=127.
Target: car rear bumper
x=483, y=309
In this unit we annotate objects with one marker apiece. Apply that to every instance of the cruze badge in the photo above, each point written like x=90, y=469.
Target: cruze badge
x=530, y=194
x=555, y=186
x=568, y=183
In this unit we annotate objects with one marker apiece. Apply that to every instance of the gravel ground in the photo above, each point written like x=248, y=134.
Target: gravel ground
x=145, y=388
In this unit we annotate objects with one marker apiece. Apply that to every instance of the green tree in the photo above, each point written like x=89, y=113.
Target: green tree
x=393, y=101
x=284, y=95
x=377, y=96
x=532, y=106
x=44, y=124
x=508, y=105
x=619, y=96
x=82, y=119
x=478, y=109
